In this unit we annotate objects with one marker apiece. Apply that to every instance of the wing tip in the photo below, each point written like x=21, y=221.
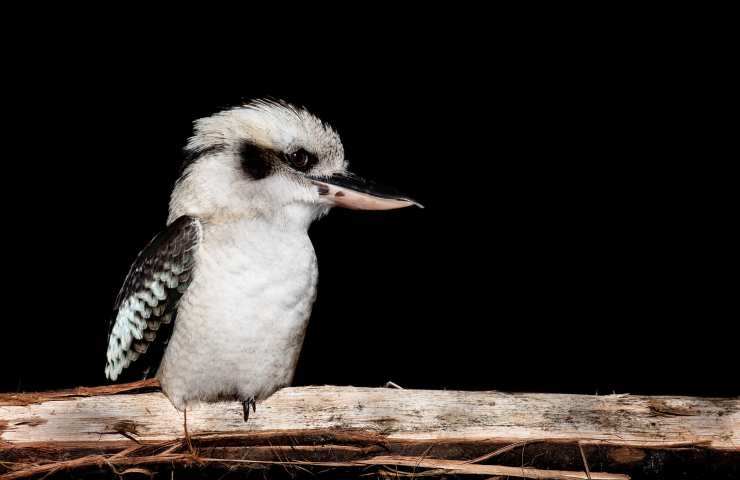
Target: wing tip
x=111, y=373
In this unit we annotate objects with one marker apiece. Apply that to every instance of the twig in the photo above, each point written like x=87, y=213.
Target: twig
x=495, y=453
x=585, y=463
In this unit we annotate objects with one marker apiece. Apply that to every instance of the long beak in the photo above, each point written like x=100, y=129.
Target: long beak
x=353, y=192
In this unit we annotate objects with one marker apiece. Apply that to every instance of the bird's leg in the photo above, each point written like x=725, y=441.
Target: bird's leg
x=246, y=404
x=187, y=435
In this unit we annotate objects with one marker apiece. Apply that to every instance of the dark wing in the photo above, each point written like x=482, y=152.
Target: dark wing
x=146, y=305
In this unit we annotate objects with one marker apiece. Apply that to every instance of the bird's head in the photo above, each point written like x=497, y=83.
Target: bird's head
x=270, y=159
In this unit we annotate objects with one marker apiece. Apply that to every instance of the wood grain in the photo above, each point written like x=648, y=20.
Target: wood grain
x=353, y=425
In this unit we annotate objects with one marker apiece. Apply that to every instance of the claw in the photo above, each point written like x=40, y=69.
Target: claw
x=245, y=406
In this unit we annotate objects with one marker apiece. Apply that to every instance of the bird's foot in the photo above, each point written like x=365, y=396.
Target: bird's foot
x=246, y=404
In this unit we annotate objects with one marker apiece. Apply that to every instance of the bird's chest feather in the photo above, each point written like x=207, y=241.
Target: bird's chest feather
x=240, y=325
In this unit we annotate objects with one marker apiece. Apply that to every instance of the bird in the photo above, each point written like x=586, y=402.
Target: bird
x=216, y=306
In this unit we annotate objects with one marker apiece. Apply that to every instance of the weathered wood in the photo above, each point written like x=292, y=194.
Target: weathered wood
x=449, y=431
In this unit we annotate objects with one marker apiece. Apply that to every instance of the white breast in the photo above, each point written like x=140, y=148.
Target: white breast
x=241, y=323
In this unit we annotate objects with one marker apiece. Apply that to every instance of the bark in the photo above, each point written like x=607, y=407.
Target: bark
x=133, y=428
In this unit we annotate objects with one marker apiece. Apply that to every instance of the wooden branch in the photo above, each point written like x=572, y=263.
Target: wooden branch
x=405, y=432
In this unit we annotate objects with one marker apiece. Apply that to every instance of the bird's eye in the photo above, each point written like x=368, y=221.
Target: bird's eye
x=301, y=160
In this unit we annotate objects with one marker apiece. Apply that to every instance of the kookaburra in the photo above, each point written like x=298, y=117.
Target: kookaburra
x=216, y=305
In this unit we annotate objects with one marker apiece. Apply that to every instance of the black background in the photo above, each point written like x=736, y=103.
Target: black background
x=568, y=242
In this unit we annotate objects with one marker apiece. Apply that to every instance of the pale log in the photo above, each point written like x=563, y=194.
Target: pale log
x=405, y=432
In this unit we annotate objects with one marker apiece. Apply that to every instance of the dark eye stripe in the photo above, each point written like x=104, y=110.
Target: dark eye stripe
x=256, y=161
